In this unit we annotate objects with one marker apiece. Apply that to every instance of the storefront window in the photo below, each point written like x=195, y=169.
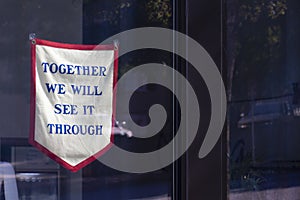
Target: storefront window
x=27, y=173
x=263, y=41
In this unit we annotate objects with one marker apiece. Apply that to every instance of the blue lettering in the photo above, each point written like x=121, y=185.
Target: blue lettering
x=62, y=69
x=78, y=69
x=50, y=127
x=76, y=89
x=66, y=109
x=52, y=88
x=75, y=129
x=102, y=70
x=67, y=129
x=98, y=129
x=86, y=70
x=44, y=64
x=53, y=68
x=81, y=130
x=94, y=70
x=91, y=130
x=59, y=128
x=57, y=109
x=70, y=69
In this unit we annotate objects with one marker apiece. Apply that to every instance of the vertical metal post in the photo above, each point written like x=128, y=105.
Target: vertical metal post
x=252, y=131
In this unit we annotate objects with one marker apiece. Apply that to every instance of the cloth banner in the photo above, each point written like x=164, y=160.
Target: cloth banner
x=72, y=100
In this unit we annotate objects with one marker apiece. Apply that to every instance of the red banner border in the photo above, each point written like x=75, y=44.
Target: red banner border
x=32, y=141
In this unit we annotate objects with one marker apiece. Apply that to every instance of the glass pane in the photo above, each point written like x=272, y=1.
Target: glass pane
x=34, y=175
x=106, y=18
x=263, y=74
x=80, y=22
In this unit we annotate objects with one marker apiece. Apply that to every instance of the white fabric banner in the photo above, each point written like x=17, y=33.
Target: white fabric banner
x=72, y=104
